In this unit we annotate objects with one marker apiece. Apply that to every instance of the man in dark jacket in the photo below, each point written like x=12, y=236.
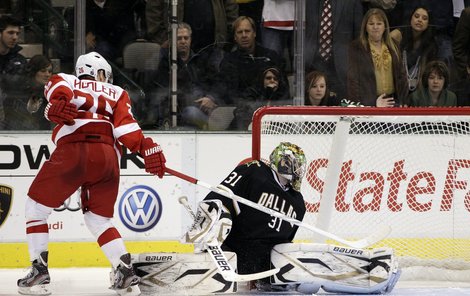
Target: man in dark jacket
x=12, y=67
x=195, y=80
x=241, y=68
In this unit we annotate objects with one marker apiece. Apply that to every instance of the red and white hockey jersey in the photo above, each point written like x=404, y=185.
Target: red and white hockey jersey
x=106, y=106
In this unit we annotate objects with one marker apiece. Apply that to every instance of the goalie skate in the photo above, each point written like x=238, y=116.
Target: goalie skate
x=37, y=281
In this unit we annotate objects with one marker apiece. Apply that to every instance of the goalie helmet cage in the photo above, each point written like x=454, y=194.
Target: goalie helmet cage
x=405, y=167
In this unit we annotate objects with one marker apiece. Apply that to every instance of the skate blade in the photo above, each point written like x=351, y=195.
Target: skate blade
x=129, y=291
x=35, y=290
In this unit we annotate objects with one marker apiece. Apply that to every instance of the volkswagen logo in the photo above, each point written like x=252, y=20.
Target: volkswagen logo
x=140, y=208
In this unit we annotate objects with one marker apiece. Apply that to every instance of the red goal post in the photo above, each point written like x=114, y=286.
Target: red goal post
x=405, y=167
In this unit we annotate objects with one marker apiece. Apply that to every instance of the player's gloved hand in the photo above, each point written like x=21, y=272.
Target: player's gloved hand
x=61, y=112
x=211, y=226
x=153, y=157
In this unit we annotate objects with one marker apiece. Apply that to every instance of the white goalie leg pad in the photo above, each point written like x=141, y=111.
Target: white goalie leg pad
x=335, y=269
x=181, y=273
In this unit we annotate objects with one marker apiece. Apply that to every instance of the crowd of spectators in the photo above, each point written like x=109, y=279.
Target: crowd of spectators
x=383, y=53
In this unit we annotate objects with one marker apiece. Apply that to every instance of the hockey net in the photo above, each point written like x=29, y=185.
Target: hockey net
x=405, y=167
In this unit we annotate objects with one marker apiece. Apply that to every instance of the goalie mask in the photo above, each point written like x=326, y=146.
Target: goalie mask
x=91, y=63
x=289, y=161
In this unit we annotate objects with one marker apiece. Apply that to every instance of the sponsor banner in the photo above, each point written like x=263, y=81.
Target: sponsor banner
x=147, y=207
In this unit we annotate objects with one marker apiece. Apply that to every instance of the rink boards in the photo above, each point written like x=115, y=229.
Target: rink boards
x=147, y=212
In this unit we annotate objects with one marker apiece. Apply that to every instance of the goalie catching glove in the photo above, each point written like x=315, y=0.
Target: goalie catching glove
x=153, y=157
x=212, y=225
x=61, y=112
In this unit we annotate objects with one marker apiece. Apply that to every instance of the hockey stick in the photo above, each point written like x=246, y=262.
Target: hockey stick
x=371, y=239
x=218, y=256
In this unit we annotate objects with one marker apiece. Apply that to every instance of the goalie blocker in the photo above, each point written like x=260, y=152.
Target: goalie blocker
x=305, y=268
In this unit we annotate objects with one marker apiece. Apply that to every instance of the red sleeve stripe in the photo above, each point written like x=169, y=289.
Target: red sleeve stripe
x=109, y=235
x=43, y=228
x=278, y=23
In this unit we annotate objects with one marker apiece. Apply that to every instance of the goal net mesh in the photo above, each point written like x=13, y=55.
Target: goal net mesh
x=409, y=170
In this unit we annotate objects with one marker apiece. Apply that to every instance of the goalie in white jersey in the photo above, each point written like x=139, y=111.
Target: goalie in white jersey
x=262, y=241
x=93, y=117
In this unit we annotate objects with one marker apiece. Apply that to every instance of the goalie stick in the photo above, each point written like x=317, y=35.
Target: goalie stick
x=371, y=239
x=218, y=256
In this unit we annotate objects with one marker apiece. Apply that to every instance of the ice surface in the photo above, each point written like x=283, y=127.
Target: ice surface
x=95, y=282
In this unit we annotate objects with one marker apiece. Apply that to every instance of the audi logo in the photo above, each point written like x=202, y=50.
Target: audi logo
x=73, y=203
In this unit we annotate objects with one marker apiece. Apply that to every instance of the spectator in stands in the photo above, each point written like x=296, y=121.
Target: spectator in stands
x=433, y=90
x=196, y=74
x=213, y=28
x=26, y=109
x=317, y=92
x=328, y=52
x=12, y=68
x=461, y=50
x=109, y=26
x=418, y=43
x=442, y=23
x=39, y=71
x=241, y=67
x=252, y=9
x=376, y=76
x=270, y=90
x=277, y=27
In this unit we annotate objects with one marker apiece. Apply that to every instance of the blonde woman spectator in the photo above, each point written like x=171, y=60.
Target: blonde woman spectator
x=433, y=91
x=376, y=76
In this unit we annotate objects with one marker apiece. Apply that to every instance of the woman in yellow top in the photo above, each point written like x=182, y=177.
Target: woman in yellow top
x=376, y=76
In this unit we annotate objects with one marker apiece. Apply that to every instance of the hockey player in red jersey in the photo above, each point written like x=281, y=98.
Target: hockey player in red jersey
x=93, y=118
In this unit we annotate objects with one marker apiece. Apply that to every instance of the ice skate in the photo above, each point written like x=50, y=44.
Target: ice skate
x=123, y=279
x=37, y=281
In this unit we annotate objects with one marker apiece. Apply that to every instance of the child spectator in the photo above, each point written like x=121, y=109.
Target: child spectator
x=270, y=90
x=433, y=91
x=317, y=92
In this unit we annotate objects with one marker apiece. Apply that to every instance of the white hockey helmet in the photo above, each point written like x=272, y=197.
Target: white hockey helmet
x=91, y=63
x=289, y=161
